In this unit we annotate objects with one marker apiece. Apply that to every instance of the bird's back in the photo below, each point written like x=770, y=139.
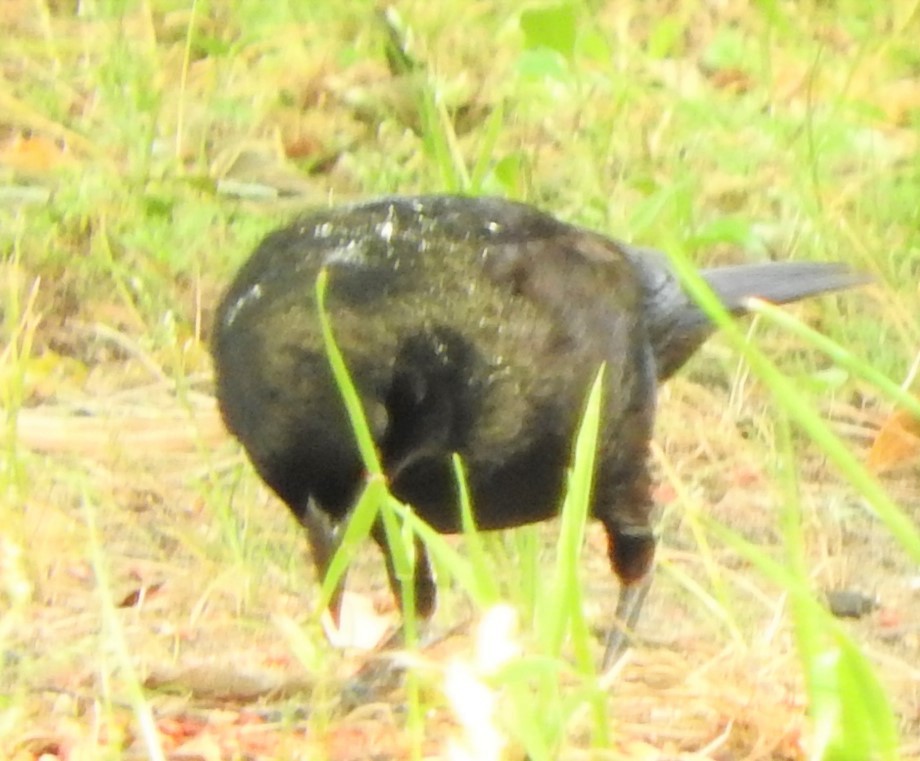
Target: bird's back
x=469, y=325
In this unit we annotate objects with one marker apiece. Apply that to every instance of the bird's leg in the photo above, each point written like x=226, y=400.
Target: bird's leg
x=426, y=592
x=324, y=539
x=380, y=675
x=632, y=551
x=629, y=606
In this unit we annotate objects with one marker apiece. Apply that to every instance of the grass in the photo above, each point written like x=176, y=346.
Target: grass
x=144, y=149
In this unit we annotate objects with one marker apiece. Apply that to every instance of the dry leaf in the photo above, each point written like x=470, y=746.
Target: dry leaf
x=33, y=154
x=897, y=442
x=360, y=626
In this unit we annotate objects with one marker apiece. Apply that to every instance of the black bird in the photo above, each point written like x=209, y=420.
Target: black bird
x=469, y=325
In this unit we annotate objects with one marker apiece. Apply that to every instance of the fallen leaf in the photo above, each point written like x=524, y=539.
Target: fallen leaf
x=360, y=626
x=33, y=154
x=897, y=442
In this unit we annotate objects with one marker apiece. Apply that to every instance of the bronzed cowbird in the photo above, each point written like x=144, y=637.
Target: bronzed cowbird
x=469, y=325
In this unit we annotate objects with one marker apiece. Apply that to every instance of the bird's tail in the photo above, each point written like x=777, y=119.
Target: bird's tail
x=678, y=327
x=778, y=282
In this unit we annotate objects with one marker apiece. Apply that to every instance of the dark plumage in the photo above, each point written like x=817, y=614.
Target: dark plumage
x=473, y=326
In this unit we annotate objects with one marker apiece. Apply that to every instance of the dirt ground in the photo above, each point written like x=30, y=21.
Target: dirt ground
x=155, y=549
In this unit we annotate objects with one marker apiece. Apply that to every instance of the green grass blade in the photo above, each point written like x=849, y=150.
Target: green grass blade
x=143, y=713
x=564, y=601
x=356, y=532
x=486, y=586
x=343, y=381
x=842, y=356
x=804, y=416
x=844, y=691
